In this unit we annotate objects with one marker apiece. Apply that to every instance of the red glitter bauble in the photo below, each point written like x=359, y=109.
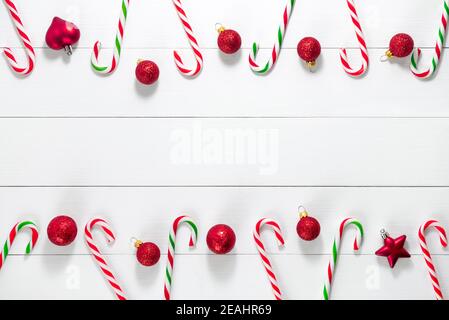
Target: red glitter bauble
x=308, y=228
x=229, y=41
x=309, y=49
x=401, y=45
x=148, y=254
x=147, y=72
x=220, y=239
x=62, y=230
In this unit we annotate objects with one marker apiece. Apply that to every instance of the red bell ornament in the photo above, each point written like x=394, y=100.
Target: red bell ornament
x=62, y=34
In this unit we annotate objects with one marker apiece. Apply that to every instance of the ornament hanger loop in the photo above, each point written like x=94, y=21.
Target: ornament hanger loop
x=383, y=234
x=383, y=58
x=219, y=27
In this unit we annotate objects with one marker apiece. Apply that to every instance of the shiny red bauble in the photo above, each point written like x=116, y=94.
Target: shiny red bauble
x=62, y=35
x=309, y=49
x=148, y=253
x=221, y=239
x=229, y=41
x=147, y=72
x=62, y=230
x=308, y=228
x=401, y=45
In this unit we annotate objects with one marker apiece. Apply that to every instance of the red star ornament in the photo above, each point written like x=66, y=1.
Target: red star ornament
x=393, y=249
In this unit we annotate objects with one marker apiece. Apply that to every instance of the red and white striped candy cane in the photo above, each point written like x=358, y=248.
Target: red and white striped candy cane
x=191, y=72
x=336, y=252
x=20, y=226
x=427, y=257
x=171, y=249
x=263, y=254
x=362, y=45
x=99, y=259
x=29, y=50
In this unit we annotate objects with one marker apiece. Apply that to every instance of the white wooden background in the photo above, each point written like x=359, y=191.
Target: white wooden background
x=77, y=143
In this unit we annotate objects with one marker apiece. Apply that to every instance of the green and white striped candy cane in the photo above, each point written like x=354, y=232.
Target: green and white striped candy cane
x=336, y=251
x=117, y=45
x=171, y=249
x=20, y=226
x=264, y=68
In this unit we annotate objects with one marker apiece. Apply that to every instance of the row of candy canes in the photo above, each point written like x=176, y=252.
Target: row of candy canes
x=258, y=68
x=111, y=279
x=330, y=270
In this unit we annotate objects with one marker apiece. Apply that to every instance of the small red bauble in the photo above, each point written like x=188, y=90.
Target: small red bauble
x=147, y=72
x=62, y=35
x=308, y=228
x=220, y=239
x=62, y=230
x=309, y=49
x=148, y=253
x=401, y=45
x=229, y=41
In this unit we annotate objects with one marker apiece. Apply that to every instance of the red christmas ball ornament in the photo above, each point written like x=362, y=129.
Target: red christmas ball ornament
x=147, y=72
x=309, y=49
x=229, y=41
x=62, y=230
x=401, y=45
x=220, y=239
x=148, y=253
x=62, y=35
x=308, y=228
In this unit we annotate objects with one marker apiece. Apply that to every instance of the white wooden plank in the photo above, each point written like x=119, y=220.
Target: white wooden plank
x=215, y=277
x=256, y=20
x=224, y=89
x=301, y=152
x=147, y=213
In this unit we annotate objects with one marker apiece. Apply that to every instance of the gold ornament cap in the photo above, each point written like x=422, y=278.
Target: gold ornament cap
x=219, y=27
x=302, y=212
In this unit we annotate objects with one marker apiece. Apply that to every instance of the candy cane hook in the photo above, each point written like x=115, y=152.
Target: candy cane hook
x=265, y=68
x=439, y=47
x=336, y=251
x=190, y=72
x=117, y=45
x=21, y=226
x=362, y=45
x=263, y=254
x=427, y=257
x=29, y=50
x=171, y=249
x=99, y=259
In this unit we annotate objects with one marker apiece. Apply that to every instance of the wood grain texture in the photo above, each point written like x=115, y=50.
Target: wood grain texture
x=220, y=277
x=233, y=152
x=147, y=213
x=225, y=88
